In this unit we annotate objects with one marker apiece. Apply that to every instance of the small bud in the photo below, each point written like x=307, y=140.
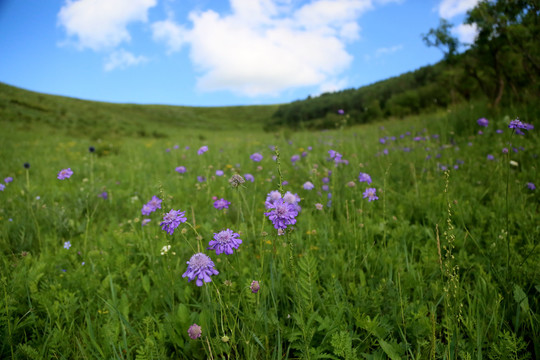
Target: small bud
x=255, y=286
x=236, y=180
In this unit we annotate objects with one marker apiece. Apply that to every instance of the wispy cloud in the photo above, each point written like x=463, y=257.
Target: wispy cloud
x=102, y=24
x=450, y=8
x=169, y=32
x=264, y=47
x=121, y=59
x=387, y=50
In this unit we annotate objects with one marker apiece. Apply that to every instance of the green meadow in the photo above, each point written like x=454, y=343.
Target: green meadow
x=445, y=264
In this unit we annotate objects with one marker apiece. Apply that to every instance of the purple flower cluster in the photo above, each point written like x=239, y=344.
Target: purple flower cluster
x=255, y=286
x=518, y=124
x=363, y=177
x=224, y=242
x=65, y=174
x=202, y=150
x=151, y=206
x=308, y=185
x=337, y=157
x=221, y=204
x=181, y=169
x=272, y=196
x=256, y=157
x=281, y=213
x=370, y=193
x=172, y=219
x=194, y=331
x=200, y=267
x=483, y=122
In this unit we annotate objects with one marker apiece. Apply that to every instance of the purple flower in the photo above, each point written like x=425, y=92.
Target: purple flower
x=382, y=140
x=201, y=178
x=505, y=150
x=363, y=177
x=281, y=214
x=151, y=206
x=295, y=158
x=147, y=209
x=181, y=169
x=341, y=112
x=483, y=122
x=67, y=245
x=219, y=173
x=202, y=150
x=2, y=187
x=65, y=174
x=249, y=177
x=221, y=204
x=8, y=179
x=294, y=199
x=272, y=197
x=517, y=124
x=256, y=157
x=224, y=242
x=255, y=286
x=325, y=187
x=172, y=219
x=499, y=131
x=194, y=331
x=531, y=186
x=145, y=222
x=104, y=195
x=490, y=157
x=308, y=185
x=319, y=206
x=326, y=180
x=200, y=267
x=370, y=193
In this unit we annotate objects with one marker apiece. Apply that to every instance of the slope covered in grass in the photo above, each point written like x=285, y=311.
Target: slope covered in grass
x=98, y=119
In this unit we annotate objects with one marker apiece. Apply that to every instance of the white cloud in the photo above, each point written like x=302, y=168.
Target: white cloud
x=466, y=33
x=450, y=8
x=122, y=59
x=102, y=24
x=263, y=47
x=170, y=33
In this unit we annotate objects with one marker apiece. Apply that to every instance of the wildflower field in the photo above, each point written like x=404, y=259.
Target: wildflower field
x=410, y=239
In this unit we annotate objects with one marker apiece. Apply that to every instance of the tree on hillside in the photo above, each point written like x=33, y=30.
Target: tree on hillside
x=441, y=38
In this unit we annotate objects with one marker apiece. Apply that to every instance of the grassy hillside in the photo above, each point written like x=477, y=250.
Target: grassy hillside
x=29, y=109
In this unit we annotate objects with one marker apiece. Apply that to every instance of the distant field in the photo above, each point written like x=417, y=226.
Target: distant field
x=98, y=119
x=435, y=256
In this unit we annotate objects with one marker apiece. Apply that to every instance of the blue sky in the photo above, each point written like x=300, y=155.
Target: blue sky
x=215, y=52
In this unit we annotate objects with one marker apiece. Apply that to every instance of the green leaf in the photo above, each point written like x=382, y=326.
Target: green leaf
x=390, y=350
x=521, y=298
x=145, y=280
